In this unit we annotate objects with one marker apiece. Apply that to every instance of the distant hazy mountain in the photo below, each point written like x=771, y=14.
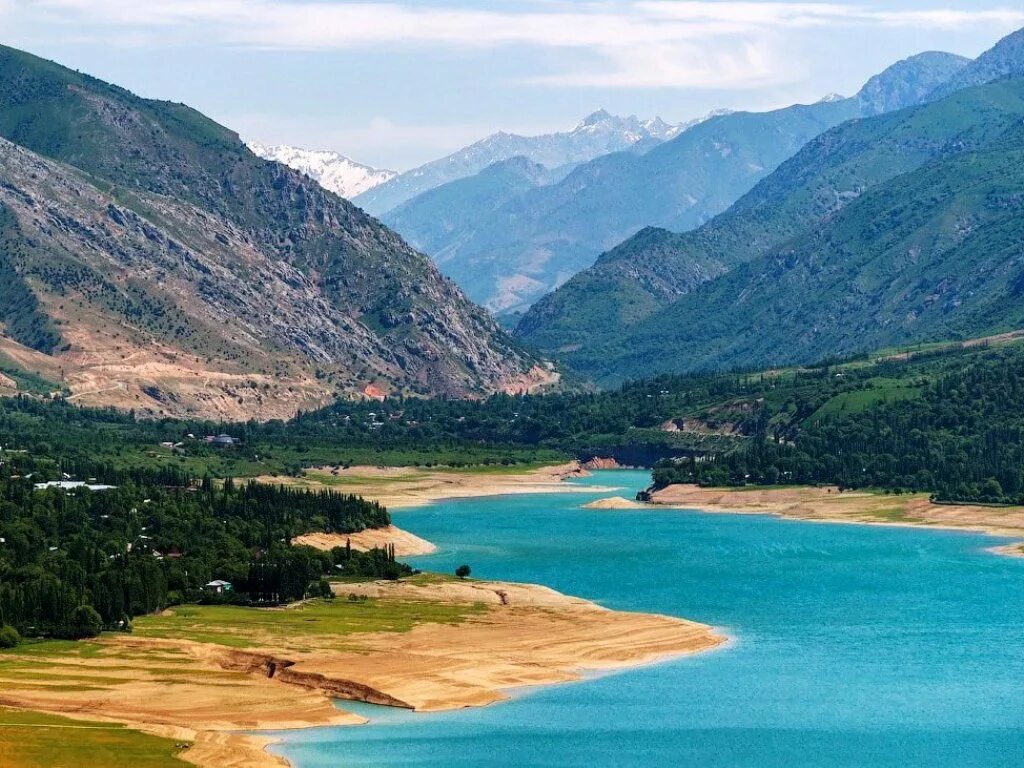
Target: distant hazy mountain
x=651, y=269
x=508, y=256
x=334, y=172
x=453, y=209
x=597, y=134
x=151, y=261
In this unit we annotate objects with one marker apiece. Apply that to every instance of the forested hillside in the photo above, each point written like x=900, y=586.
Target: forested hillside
x=630, y=285
x=954, y=430
x=75, y=561
x=656, y=267
x=932, y=254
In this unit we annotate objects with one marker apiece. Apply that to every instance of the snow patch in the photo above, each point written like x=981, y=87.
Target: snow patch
x=339, y=174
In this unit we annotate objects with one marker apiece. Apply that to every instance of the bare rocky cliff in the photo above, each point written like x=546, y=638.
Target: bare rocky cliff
x=152, y=261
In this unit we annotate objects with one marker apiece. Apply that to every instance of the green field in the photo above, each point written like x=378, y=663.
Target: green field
x=200, y=460
x=880, y=390
x=36, y=740
x=240, y=627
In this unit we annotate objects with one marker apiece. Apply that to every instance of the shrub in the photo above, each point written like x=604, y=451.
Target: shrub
x=9, y=637
x=85, y=622
x=463, y=571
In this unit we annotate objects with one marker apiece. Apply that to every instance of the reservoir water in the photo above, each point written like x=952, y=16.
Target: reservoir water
x=852, y=645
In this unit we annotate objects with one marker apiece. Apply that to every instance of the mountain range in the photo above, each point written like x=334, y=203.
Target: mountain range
x=335, y=173
x=901, y=227
x=509, y=244
x=597, y=134
x=152, y=261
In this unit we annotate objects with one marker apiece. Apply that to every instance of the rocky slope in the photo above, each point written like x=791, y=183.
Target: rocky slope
x=597, y=134
x=166, y=267
x=510, y=255
x=1004, y=59
x=336, y=173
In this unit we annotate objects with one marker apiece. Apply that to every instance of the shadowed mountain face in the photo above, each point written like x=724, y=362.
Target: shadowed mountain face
x=508, y=249
x=899, y=228
x=165, y=266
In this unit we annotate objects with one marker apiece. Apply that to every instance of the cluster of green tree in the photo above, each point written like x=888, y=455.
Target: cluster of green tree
x=376, y=563
x=75, y=561
x=958, y=434
x=775, y=426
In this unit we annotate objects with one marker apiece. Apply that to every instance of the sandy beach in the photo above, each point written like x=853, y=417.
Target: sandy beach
x=406, y=544
x=828, y=504
x=272, y=677
x=614, y=502
x=397, y=487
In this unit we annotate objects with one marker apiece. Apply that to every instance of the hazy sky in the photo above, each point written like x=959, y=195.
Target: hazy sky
x=397, y=83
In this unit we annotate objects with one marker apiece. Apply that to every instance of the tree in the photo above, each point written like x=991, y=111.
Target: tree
x=9, y=637
x=463, y=571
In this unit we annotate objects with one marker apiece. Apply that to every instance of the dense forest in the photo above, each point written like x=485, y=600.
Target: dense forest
x=960, y=437
x=73, y=561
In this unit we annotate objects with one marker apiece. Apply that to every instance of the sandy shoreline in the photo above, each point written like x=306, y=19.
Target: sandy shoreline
x=828, y=504
x=510, y=636
x=404, y=487
x=406, y=544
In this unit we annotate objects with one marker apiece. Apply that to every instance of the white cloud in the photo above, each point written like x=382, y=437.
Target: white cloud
x=634, y=43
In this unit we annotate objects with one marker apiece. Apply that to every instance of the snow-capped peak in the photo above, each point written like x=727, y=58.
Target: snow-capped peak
x=830, y=97
x=596, y=118
x=632, y=129
x=331, y=170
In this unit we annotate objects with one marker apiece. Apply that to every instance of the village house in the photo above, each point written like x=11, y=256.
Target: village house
x=219, y=588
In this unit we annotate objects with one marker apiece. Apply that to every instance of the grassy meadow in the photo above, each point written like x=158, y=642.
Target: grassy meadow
x=37, y=740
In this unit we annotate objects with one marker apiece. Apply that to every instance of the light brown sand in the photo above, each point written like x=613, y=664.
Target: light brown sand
x=1015, y=549
x=828, y=504
x=178, y=690
x=531, y=635
x=614, y=502
x=397, y=487
x=528, y=635
x=405, y=543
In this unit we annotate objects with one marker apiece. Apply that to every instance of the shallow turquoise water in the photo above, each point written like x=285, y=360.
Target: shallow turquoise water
x=853, y=645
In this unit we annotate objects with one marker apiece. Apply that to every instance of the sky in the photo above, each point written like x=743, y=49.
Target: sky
x=395, y=84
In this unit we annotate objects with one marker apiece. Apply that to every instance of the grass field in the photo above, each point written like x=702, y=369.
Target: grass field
x=36, y=740
x=882, y=390
x=239, y=627
x=200, y=459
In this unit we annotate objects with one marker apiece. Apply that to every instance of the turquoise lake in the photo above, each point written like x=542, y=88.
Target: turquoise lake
x=853, y=645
